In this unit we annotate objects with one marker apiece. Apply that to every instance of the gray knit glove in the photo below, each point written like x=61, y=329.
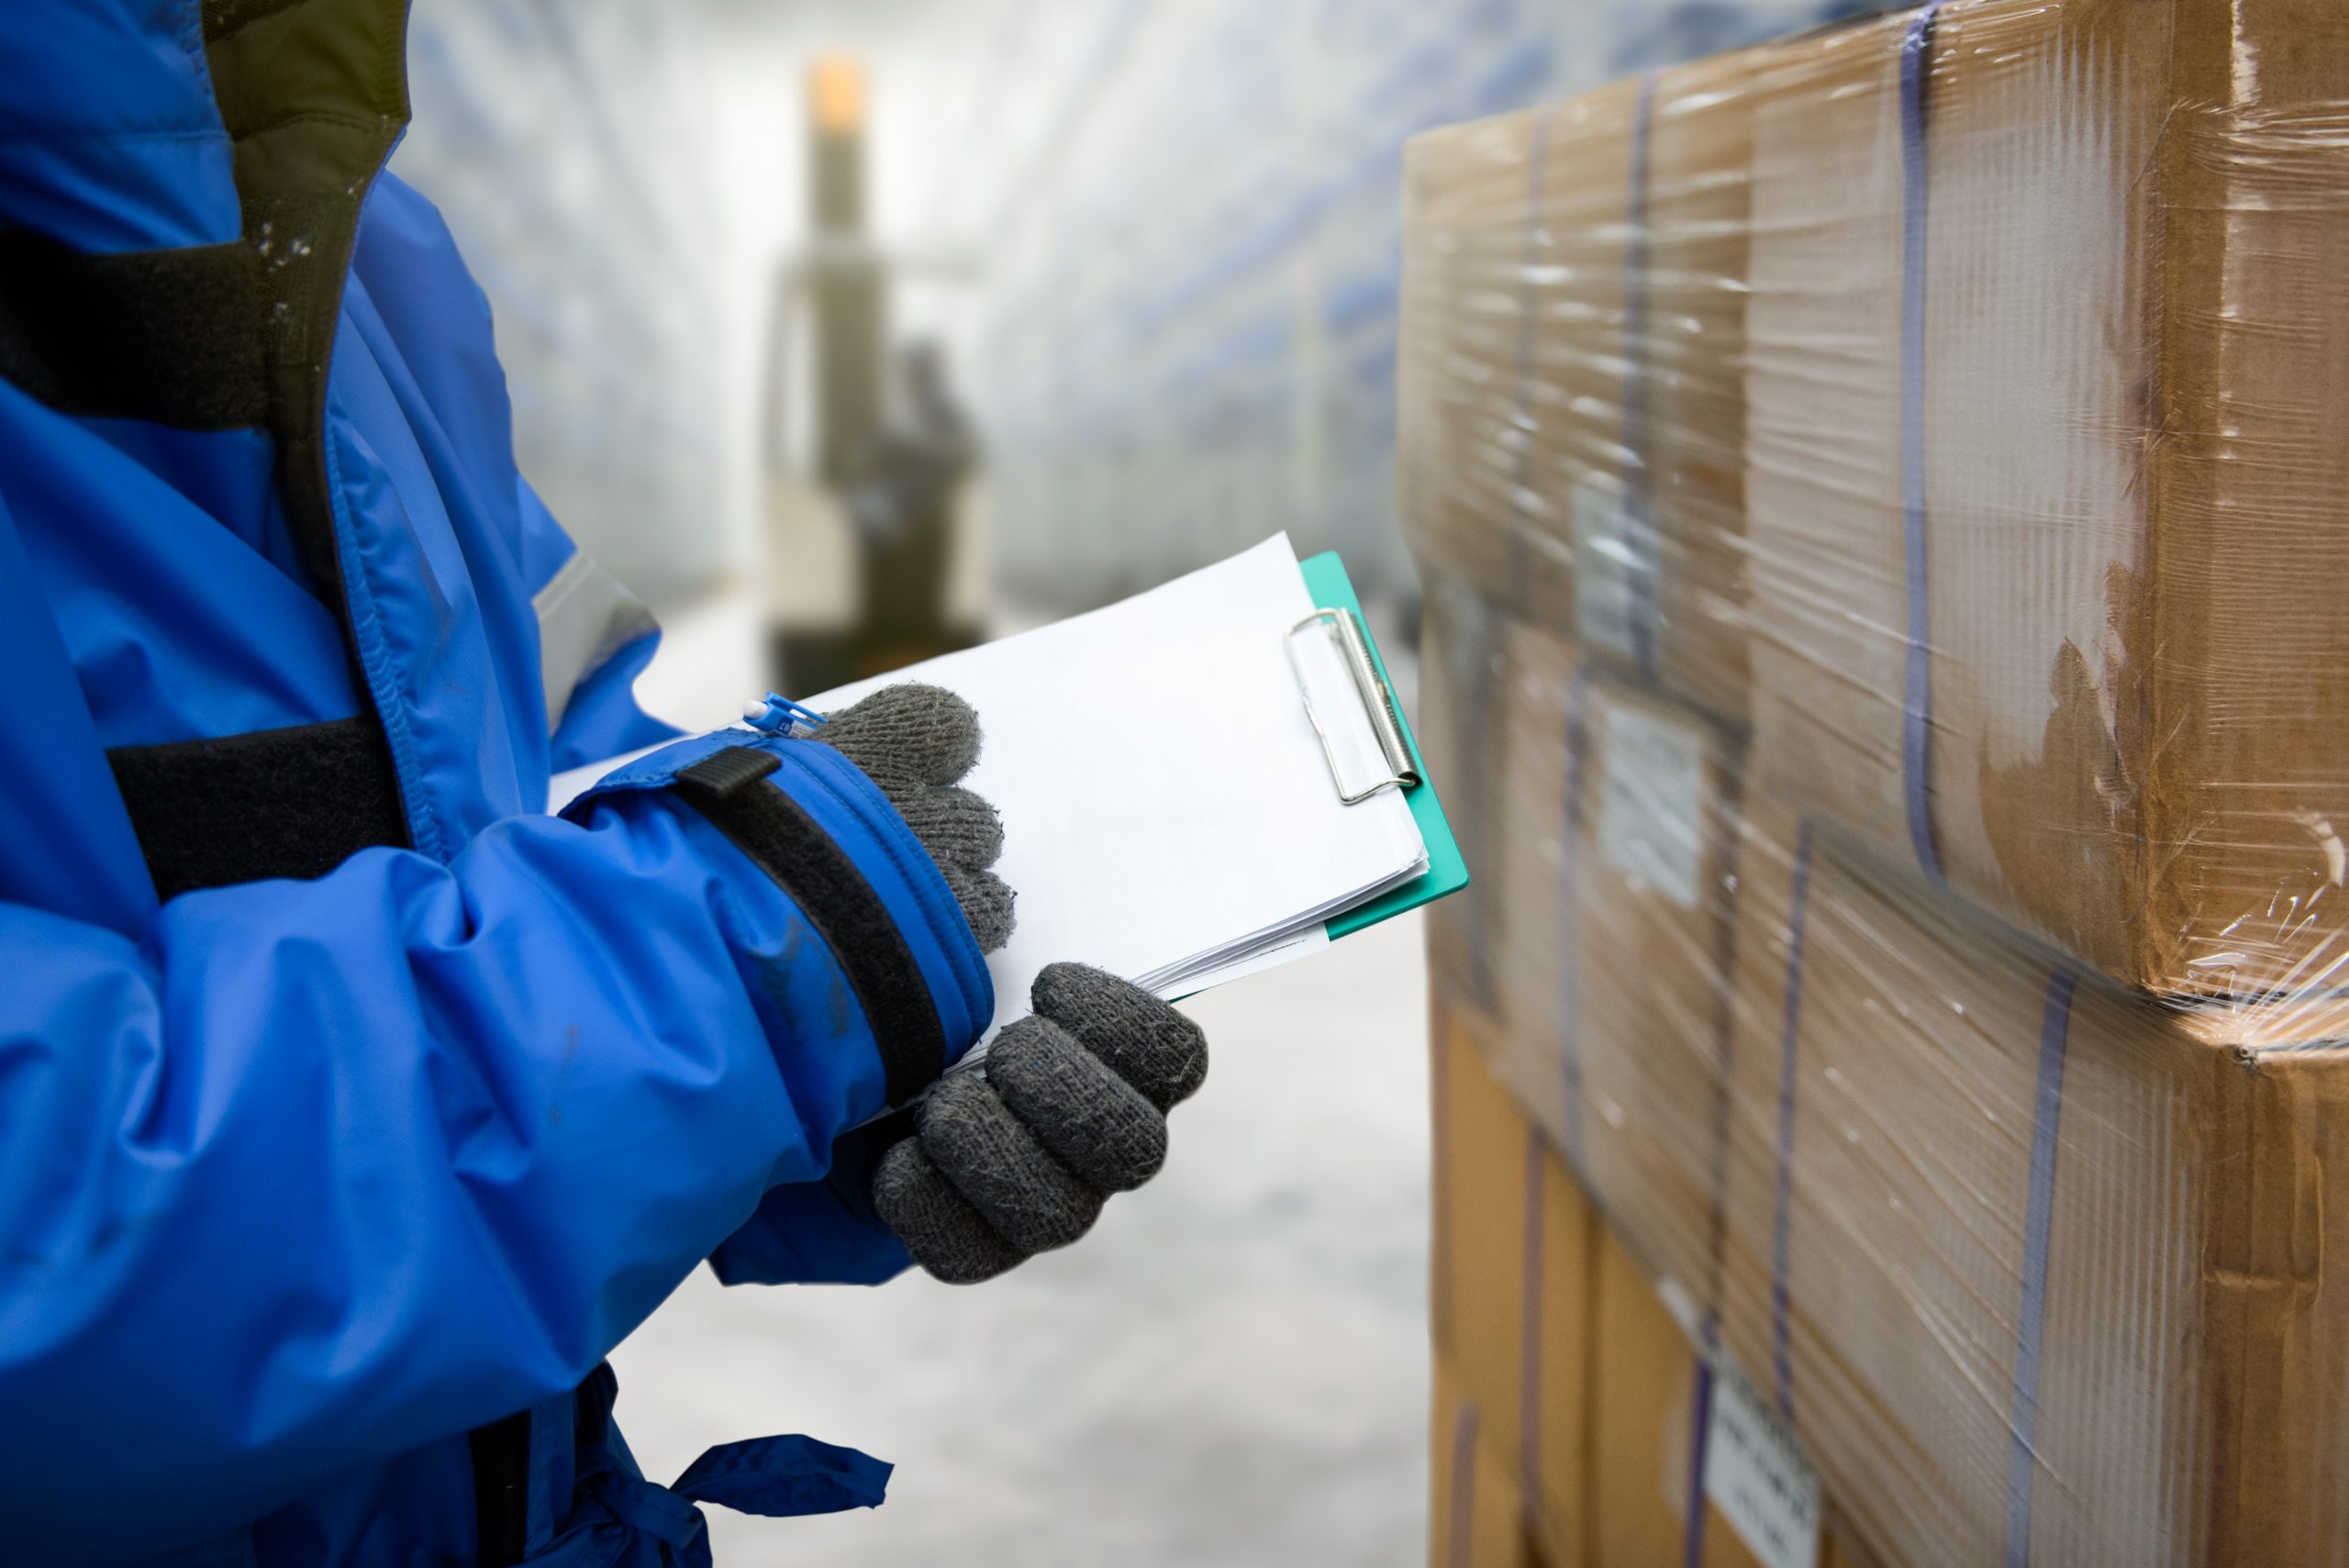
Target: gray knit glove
x=1070, y=1104
x=916, y=743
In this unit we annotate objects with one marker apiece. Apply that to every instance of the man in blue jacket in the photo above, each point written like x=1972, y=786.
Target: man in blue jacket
x=351, y=1109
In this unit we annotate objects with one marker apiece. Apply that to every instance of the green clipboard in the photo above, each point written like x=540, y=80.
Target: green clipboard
x=1332, y=590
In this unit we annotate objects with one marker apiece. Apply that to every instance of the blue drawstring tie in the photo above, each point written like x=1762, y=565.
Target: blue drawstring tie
x=621, y=1521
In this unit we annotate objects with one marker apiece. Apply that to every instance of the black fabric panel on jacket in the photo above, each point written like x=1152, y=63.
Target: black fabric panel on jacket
x=501, y=1455
x=165, y=335
x=222, y=18
x=295, y=802
x=313, y=93
x=728, y=788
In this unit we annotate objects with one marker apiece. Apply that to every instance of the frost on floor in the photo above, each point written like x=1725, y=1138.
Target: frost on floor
x=1230, y=1370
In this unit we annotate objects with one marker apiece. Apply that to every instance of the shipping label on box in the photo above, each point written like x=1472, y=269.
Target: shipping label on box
x=1756, y=1475
x=1606, y=569
x=1653, y=811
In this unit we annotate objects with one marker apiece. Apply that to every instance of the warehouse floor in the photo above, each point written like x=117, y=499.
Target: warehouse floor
x=1232, y=1369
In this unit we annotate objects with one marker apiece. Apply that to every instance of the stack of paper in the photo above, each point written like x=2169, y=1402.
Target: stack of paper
x=1168, y=812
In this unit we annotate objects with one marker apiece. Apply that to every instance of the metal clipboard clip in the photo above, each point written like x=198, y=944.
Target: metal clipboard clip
x=1377, y=701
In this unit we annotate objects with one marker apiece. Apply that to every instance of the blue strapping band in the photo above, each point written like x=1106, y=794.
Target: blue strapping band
x=1464, y=1486
x=1529, y=1367
x=1916, y=739
x=1521, y=417
x=1700, y=1431
x=2031, y=1317
x=1639, y=474
x=1783, y=1202
x=1569, y=875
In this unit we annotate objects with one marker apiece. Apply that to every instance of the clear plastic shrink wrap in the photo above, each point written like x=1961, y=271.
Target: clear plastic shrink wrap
x=1570, y=385
x=2040, y=1269
x=1920, y=941
x=1960, y=397
x=1459, y=732
x=2030, y=1263
x=1619, y=815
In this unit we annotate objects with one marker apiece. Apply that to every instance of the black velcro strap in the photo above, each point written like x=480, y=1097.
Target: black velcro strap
x=296, y=801
x=730, y=771
x=771, y=828
x=169, y=336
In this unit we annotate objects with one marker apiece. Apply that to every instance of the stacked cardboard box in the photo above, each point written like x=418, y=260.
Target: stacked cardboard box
x=1955, y=396
x=1509, y=1308
x=1619, y=817
x=1921, y=950
x=2047, y=486
x=2023, y=1256
x=1567, y=1400
x=2033, y=1262
x=1572, y=428
x=1460, y=733
x=1571, y=1403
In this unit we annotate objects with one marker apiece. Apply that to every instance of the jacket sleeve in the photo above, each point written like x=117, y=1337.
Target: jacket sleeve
x=825, y=1232
x=312, y=1174
x=428, y=314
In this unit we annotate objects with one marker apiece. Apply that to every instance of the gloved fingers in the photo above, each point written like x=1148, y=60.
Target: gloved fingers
x=1032, y=1200
x=1098, y=1125
x=987, y=904
x=1147, y=1042
x=913, y=741
x=955, y=825
x=937, y=1223
x=906, y=735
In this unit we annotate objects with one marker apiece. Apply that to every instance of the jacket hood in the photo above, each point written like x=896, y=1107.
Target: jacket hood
x=109, y=137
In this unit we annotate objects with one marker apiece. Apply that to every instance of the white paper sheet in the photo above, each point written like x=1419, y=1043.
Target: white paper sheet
x=1168, y=814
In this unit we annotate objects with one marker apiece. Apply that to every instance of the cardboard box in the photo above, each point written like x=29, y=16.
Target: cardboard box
x=1887, y=1178
x=1511, y=1287
x=1619, y=811
x=1647, y=1458
x=1971, y=425
x=1476, y=1513
x=1571, y=374
x=2031, y=1266
x=1578, y=1433
x=1461, y=735
x=1459, y=486
x=2048, y=357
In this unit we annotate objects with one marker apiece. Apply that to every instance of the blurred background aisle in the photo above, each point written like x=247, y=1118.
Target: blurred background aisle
x=845, y=331
x=1154, y=242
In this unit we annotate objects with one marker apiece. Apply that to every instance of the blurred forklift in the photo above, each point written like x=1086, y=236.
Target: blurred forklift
x=870, y=458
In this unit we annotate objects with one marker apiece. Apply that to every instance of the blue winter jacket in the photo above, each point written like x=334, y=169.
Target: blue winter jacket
x=352, y=1108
